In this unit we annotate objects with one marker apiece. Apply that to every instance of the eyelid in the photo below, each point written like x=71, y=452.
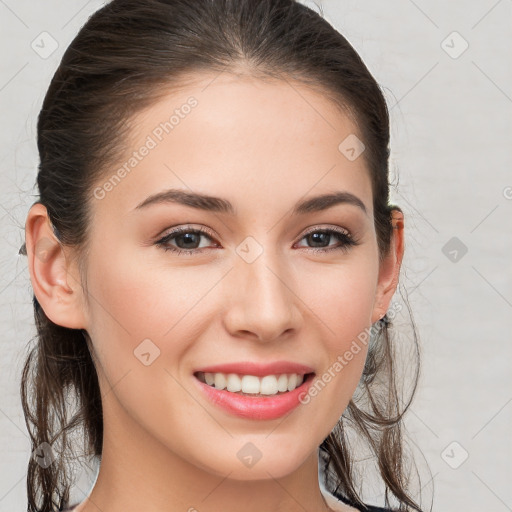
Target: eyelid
x=186, y=228
x=317, y=227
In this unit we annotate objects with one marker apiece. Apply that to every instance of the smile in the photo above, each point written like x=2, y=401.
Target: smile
x=255, y=398
x=251, y=384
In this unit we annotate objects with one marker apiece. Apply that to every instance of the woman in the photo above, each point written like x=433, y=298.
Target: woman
x=212, y=256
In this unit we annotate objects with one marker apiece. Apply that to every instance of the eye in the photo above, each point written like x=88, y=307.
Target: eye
x=320, y=236
x=186, y=240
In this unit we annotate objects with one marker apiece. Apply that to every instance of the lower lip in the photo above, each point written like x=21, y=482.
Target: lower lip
x=257, y=407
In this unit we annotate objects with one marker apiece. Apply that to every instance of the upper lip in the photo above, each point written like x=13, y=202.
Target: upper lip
x=258, y=369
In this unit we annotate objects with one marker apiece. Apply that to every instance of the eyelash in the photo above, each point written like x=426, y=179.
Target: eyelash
x=347, y=240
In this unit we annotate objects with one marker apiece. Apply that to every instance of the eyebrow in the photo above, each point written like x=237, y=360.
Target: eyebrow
x=217, y=204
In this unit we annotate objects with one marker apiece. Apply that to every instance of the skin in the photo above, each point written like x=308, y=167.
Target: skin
x=263, y=146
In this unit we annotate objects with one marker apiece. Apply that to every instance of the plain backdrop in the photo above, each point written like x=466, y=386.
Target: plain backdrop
x=446, y=70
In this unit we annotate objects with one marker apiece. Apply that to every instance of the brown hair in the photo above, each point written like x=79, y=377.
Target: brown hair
x=112, y=69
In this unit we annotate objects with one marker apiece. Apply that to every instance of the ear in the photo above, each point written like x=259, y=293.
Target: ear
x=54, y=276
x=390, y=267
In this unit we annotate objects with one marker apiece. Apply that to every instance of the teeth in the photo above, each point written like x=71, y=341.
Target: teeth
x=282, y=383
x=220, y=380
x=251, y=384
x=234, y=383
x=292, y=382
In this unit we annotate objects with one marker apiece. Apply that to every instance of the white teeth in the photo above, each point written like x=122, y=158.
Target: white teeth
x=234, y=383
x=267, y=385
x=220, y=381
x=292, y=382
x=250, y=384
x=282, y=383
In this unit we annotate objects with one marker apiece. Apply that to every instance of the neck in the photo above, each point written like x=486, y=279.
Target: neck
x=138, y=472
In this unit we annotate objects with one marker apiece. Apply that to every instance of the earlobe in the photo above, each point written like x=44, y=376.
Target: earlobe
x=54, y=280
x=390, y=266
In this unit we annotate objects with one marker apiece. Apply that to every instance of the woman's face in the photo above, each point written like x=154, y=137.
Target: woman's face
x=255, y=287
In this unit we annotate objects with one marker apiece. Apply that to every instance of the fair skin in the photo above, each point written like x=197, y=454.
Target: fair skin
x=263, y=147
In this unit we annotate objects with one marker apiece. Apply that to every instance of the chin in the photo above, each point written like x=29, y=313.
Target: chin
x=247, y=463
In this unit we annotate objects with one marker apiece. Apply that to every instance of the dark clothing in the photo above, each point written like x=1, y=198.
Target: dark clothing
x=369, y=508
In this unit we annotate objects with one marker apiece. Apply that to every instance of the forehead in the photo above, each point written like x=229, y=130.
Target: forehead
x=229, y=135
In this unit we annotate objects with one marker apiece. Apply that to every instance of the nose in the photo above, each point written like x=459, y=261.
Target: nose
x=262, y=304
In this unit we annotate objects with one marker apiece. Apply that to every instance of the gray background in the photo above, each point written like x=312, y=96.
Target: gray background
x=451, y=115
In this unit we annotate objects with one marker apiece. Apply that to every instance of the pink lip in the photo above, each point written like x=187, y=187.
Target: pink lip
x=256, y=407
x=258, y=369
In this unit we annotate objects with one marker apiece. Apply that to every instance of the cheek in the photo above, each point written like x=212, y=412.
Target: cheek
x=341, y=302
x=342, y=295
x=144, y=321
x=132, y=301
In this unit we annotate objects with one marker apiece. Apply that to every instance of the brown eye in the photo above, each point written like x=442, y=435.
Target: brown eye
x=318, y=238
x=186, y=240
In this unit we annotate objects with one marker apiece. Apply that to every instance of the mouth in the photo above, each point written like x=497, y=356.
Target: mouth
x=252, y=385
